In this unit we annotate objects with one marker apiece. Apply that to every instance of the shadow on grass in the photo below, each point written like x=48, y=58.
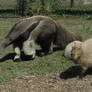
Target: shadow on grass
x=74, y=72
x=39, y=52
x=70, y=73
x=7, y=57
x=10, y=56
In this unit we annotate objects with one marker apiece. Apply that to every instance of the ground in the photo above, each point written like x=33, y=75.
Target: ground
x=48, y=83
x=51, y=73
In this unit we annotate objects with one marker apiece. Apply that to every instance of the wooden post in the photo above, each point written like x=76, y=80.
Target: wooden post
x=23, y=7
x=71, y=3
x=42, y=2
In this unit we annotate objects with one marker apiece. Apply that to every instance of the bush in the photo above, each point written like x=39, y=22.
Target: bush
x=29, y=10
x=55, y=5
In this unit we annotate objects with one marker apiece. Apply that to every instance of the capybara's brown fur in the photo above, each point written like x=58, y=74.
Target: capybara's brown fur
x=81, y=54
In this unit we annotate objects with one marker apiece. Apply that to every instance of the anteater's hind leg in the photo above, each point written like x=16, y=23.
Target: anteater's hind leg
x=47, y=48
x=17, y=49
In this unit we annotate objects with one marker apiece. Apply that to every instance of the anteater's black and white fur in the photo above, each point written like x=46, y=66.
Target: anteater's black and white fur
x=42, y=30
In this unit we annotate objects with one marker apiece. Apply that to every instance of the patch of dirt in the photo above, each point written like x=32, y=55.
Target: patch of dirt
x=55, y=82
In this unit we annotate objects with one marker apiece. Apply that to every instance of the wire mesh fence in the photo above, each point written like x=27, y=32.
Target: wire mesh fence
x=28, y=7
x=63, y=6
x=77, y=3
x=17, y=8
x=12, y=8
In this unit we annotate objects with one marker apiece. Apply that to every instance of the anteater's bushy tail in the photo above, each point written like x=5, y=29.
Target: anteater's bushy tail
x=64, y=37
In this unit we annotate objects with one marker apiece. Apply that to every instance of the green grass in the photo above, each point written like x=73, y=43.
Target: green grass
x=4, y=7
x=8, y=4
x=40, y=65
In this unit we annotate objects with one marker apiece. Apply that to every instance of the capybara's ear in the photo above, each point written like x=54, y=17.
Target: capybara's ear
x=74, y=44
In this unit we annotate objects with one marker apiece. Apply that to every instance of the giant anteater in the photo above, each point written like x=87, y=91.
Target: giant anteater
x=42, y=30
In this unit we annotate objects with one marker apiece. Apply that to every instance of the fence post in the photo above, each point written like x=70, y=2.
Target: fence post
x=23, y=8
x=42, y=2
x=71, y=3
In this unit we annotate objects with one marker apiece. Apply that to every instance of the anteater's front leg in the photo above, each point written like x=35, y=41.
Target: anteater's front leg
x=17, y=50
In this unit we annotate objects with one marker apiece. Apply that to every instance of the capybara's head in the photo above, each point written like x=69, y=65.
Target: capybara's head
x=72, y=49
x=76, y=51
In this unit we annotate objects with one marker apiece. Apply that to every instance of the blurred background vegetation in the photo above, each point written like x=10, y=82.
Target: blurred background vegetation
x=60, y=6
x=46, y=7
